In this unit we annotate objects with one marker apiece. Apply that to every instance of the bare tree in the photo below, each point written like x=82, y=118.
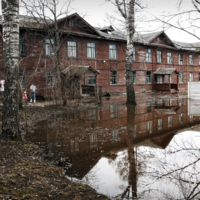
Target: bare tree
x=10, y=118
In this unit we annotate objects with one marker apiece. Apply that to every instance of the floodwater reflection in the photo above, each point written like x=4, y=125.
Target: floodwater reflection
x=150, y=151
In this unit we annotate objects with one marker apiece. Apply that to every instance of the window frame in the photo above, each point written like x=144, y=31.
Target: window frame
x=114, y=77
x=191, y=60
x=50, y=73
x=22, y=44
x=134, y=77
x=169, y=57
x=112, y=44
x=76, y=50
x=88, y=42
x=51, y=47
x=191, y=73
x=150, y=82
x=159, y=56
x=180, y=58
x=148, y=56
x=180, y=77
x=91, y=79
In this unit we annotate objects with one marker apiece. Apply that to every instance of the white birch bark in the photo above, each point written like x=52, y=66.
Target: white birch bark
x=10, y=19
x=128, y=13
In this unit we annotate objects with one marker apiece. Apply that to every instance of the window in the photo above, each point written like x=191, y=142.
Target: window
x=170, y=119
x=149, y=106
x=191, y=76
x=180, y=77
x=22, y=78
x=169, y=58
x=91, y=80
x=149, y=127
x=112, y=51
x=49, y=47
x=113, y=111
x=92, y=114
x=113, y=77
x=190, y=59
x=50, y=77
x=93, y=140
x=148, y=55
x=180, y=59
x=159, y=79
x=181, y=101
x=91, y=50
x=134, y=53
x=181, y=118
x=159, y=124
x=169, y=78
x=71, y=49
x=134, y=77
x=115, y=135
x=159, y=56
x=71, y=23
x=148, y=77
x=22, y=45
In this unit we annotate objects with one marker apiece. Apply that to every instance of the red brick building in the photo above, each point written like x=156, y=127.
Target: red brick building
x=103, y=49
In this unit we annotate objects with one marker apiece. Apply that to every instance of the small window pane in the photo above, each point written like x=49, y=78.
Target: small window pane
x=49, y=47
x=169, y=58
x=112, y=51
x=148, y=55
x=190, y=59
x=180, y=58
x=134, y=77
x=50, y=77
x=180, y=77
x=148, y=77
x=113, y=77
x=91, y=80
x=71, y=49
x=22, y=45
x=91, y=50
x=159, y=56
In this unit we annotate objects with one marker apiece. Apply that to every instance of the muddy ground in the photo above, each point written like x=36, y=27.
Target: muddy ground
x=24, y=173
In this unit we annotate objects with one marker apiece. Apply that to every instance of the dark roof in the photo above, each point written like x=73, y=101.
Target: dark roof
x=166, y=71
x=108, y=32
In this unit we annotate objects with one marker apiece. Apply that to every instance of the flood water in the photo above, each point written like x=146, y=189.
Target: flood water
x=151, y=151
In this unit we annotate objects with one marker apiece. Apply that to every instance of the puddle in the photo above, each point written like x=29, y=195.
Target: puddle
x=150, y=151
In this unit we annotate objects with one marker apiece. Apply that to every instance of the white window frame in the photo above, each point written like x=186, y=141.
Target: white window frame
x=181, y=77
x=191, y=59
x=180, y=59
x=49, y=47
x=159, y=79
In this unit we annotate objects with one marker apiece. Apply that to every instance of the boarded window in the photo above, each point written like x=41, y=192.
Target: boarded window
x=49, y=47
x=22, y=45
x=71, y=49
x=91, y=50
x=112, y=51
x=113, y=77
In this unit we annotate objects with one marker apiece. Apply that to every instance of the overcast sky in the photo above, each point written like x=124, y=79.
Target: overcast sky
x=95, y=12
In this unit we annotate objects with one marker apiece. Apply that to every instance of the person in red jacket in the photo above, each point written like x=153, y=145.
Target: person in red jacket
x=25, y=98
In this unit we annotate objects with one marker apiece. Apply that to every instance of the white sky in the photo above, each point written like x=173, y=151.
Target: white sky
x=95, y=12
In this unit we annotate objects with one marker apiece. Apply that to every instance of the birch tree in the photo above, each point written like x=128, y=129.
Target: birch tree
x=127, y=11
x=10, y=19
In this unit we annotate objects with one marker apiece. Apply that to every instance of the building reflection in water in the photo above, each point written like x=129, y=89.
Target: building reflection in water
x=81, y=140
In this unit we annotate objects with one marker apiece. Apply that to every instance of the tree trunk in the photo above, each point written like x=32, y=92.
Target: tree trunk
x=130, y=28
x=10, y=116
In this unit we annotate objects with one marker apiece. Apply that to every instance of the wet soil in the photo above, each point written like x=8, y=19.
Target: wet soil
x=25, y=174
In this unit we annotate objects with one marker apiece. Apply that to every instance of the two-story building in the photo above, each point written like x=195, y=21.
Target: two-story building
x=158, y=62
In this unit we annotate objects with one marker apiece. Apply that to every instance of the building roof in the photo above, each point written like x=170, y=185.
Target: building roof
x=108, y=32
x=164, y=71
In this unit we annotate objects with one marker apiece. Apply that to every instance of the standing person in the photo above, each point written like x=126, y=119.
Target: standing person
x=25, y=98
x=33, y=92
